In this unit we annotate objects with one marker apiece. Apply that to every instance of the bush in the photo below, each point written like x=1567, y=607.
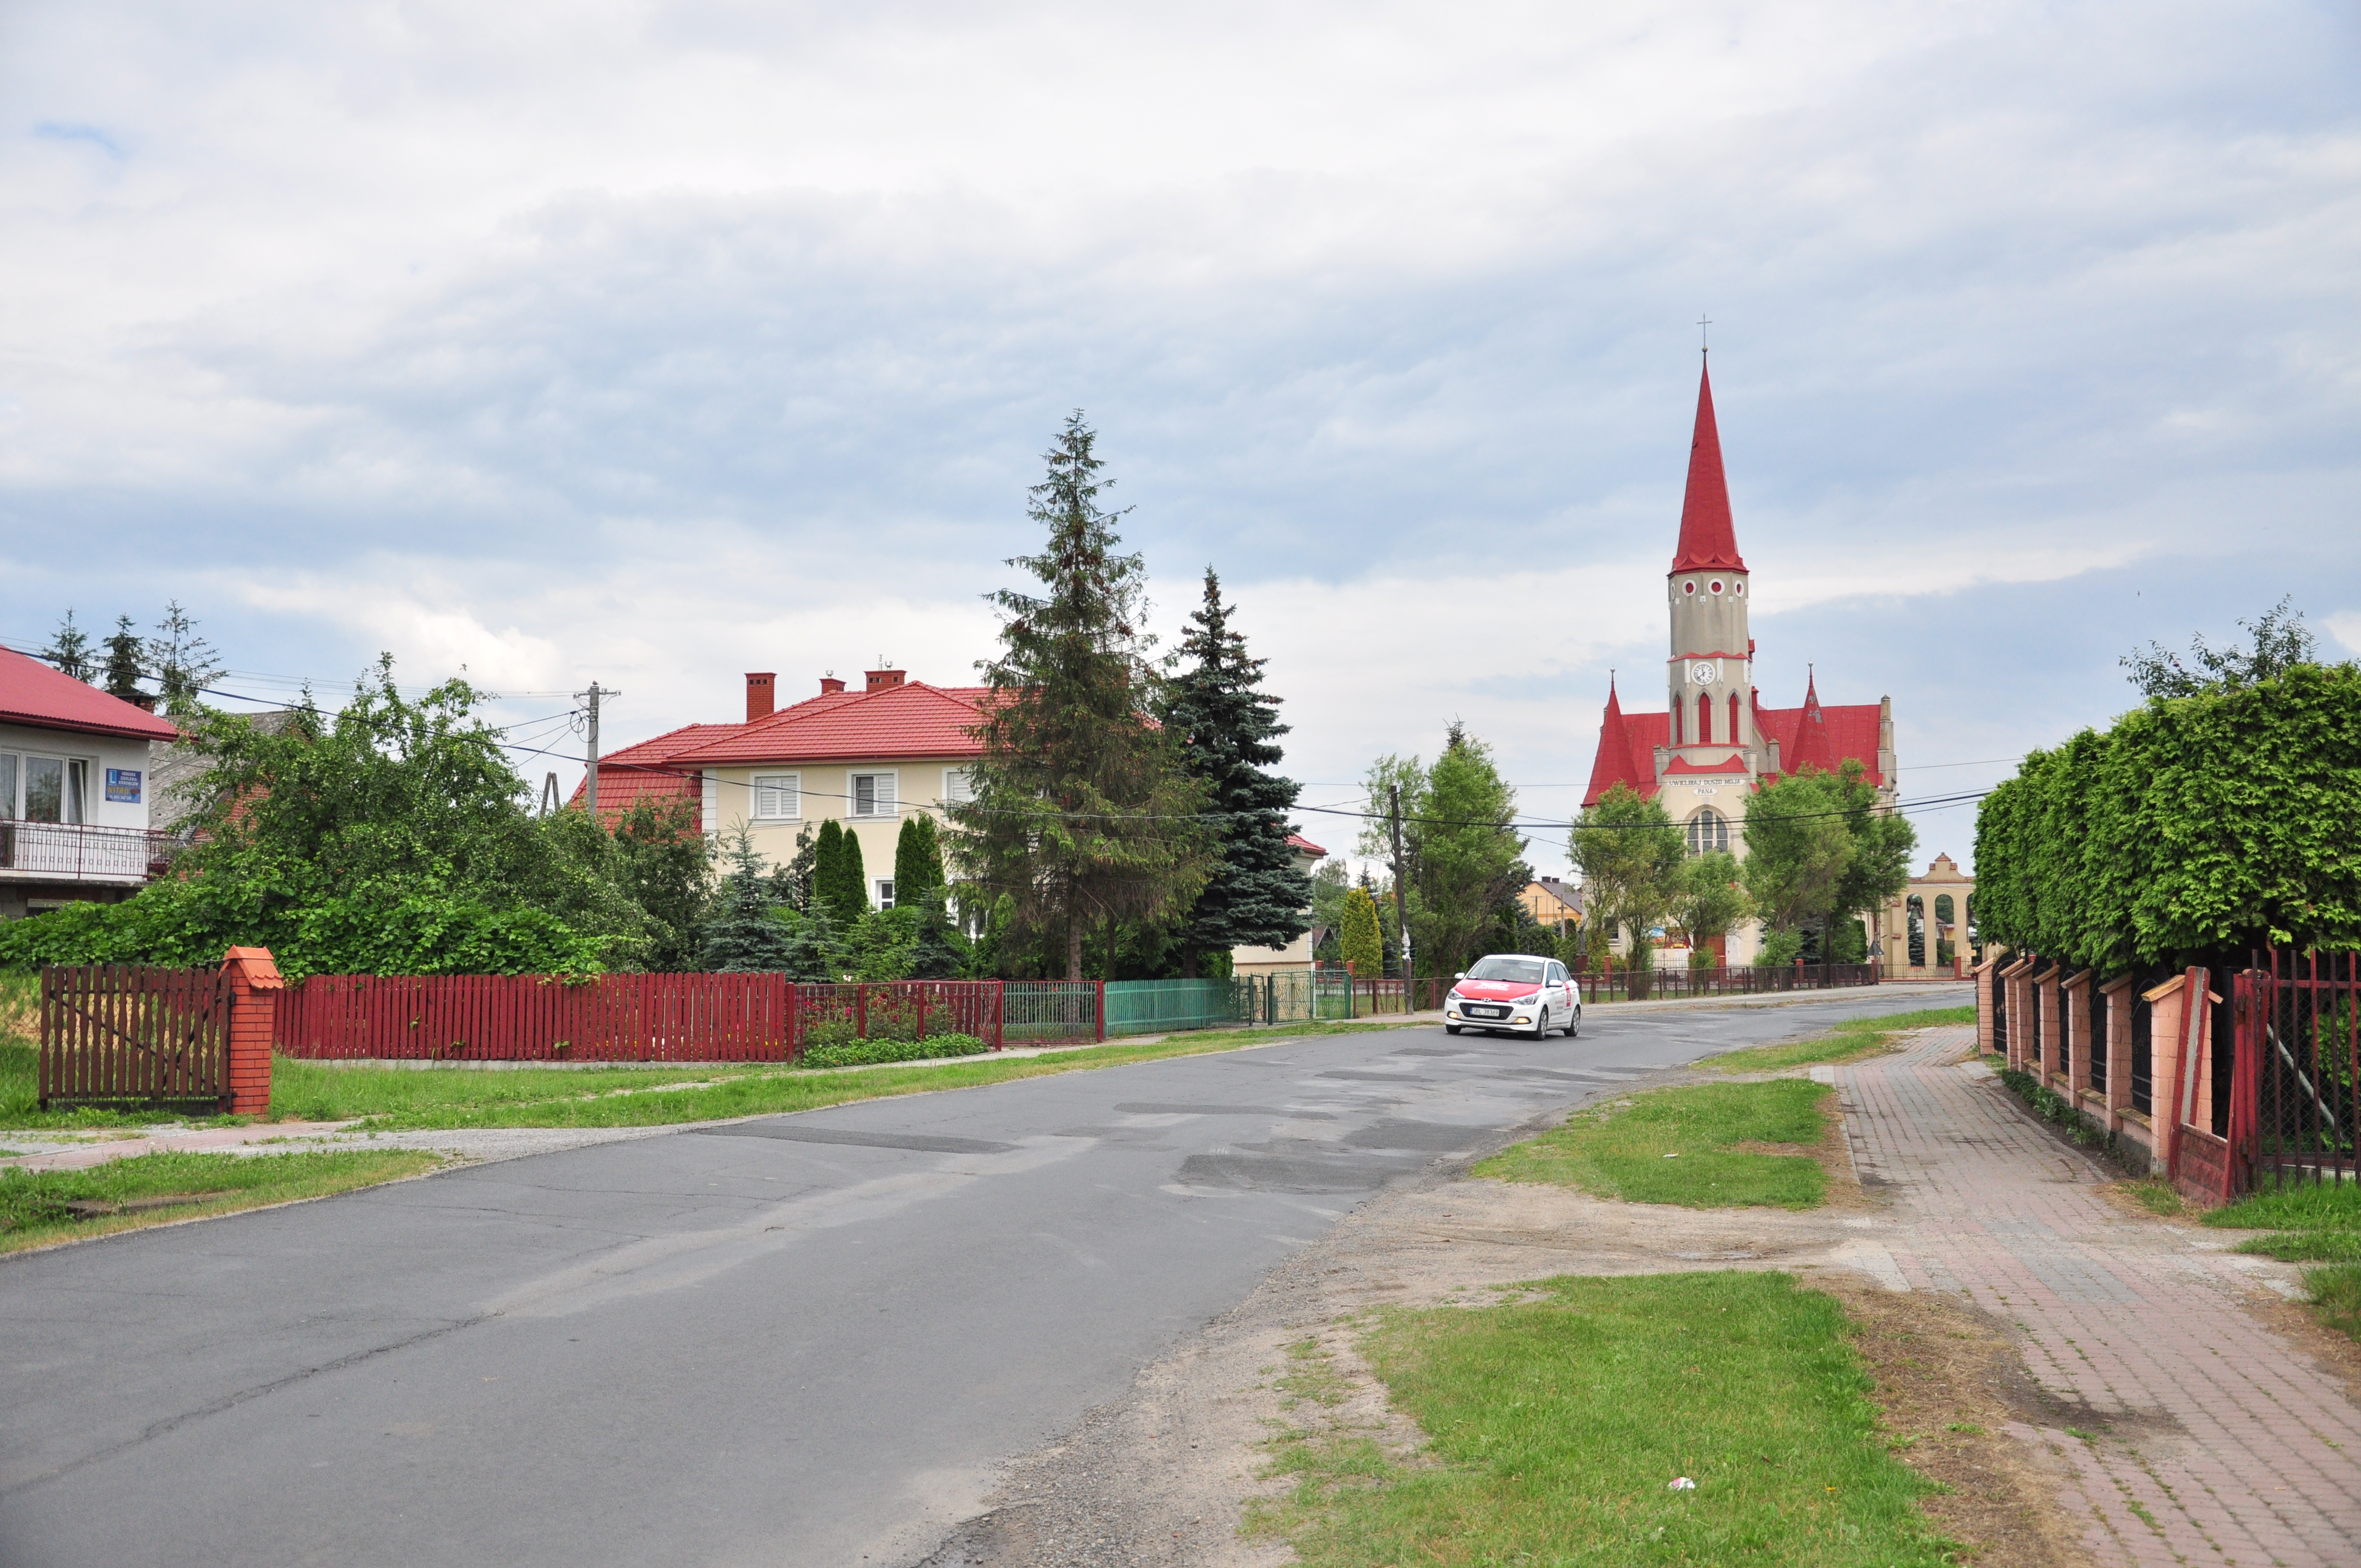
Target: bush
x=865, y=1053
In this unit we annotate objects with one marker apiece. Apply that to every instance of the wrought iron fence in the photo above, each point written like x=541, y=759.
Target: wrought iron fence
x=2298, y=1038
x=77, y=850
x=1041, y=1012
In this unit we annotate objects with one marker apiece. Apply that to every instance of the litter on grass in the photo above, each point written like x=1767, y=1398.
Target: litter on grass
x=1675, y=1155
x=1682, y=1483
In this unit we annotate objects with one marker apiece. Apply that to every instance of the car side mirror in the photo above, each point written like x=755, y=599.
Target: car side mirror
x=1461, y=975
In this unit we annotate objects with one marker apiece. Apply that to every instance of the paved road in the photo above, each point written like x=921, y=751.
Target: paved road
x=801, y=1340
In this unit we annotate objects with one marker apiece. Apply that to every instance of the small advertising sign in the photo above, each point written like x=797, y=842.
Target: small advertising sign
x=122, y=785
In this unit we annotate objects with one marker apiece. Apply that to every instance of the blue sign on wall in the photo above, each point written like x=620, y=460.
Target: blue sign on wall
x=122, y=785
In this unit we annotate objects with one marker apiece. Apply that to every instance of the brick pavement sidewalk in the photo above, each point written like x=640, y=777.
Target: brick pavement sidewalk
x=2214, y=1439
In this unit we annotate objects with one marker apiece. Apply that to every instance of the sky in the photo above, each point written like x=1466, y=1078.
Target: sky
x=653, y=343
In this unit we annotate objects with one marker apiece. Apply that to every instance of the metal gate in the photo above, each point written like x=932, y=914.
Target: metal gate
x=2298, y=1022
x=127, y=1034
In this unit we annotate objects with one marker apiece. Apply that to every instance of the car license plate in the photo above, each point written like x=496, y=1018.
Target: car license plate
x=1487, y=1012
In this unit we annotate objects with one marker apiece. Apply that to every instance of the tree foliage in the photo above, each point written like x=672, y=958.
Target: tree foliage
x=2280, y=641
x=1709, y=899
x=70, y=650
x=125, y=655
x=1818, y=847
x=2205, y=823
x=917, y=861
x=744, y=933
x=1361, y=944
x=1631, y=852
x=1463, y=857
x=1227, y=729
x=840, y=880
x=1080, y=816
x=181, y=660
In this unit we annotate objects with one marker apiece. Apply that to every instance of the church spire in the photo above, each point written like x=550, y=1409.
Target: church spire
x=1812, y=746
x=1613, y=765
x=1708, y=539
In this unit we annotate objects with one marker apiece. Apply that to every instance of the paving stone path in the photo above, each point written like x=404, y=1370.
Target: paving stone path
x=2213, y=1440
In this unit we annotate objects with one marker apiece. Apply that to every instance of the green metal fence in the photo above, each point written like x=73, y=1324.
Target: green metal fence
x=1162, y=1006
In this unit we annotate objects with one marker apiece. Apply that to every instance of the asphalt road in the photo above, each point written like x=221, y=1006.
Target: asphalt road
x=801, y=1340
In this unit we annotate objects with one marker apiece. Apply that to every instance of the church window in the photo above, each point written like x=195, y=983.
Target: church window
x=1704, y=720
x=1734, y=718
x=1715, y=585
x=1737, y=589
x=1709, y=832
x=1690, y=586
x=1677, y=722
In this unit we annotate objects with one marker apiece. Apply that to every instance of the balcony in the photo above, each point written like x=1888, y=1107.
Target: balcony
x=66, y=852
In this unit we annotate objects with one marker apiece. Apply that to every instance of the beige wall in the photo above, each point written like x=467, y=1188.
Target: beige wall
x=825, y=792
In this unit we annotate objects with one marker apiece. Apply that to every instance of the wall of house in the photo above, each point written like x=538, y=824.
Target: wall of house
x=826, y=792
x=101, y=752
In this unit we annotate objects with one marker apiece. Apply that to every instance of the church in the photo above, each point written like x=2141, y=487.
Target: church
x=1715, y=743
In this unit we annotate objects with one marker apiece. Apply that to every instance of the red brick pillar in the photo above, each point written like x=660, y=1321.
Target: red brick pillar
x=255, y=986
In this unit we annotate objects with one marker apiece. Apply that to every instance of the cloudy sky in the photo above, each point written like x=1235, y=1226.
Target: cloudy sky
x=656, y=343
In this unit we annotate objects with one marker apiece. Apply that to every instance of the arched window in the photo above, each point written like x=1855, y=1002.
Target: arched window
x=1678, y=711
x=1704, y=720
x=1734, y=731
x=1709, y=831
x=1916, y=907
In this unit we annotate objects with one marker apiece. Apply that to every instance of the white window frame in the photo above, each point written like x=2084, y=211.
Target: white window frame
x=965, y=791
x=73, y=787
x=852, y=795
x=758, y=782
x=881, y=890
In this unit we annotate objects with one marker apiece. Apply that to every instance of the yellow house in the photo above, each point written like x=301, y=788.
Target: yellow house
x=867, y=758
x=1552, y=902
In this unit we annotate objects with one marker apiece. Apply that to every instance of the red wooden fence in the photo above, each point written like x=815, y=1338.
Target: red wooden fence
x=125, y=1033
x=619, y=1017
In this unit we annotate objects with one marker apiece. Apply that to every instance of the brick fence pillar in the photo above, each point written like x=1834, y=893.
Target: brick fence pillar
x=253, y=986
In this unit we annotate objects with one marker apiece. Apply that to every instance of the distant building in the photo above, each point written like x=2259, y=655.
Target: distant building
x=74, y=791
x=1552, y=902
x=1297, y=954
x=1715, y=744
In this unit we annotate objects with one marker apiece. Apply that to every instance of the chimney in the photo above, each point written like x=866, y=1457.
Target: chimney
x=881, y=680
x=829, y=686
x=758, y=694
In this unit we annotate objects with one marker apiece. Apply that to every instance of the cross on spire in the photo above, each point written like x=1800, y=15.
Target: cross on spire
x=1703, y=322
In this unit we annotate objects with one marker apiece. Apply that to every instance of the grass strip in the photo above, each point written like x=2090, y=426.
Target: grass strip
x=38, y=1206
x=443, y=1098
x=1848, y=1041
x=1555, y=1428
x=2336, y=1293
x=2314, y=1223
x=2313, y=1206
x=1673, y=1145
x=2306, y=1247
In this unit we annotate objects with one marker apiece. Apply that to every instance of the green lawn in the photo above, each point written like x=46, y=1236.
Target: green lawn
x=1556, y=1427
x=33, y=1203
x=1853, y=1038
x=2312, y=1223
x=447, y=1097
x=441, y=1098
x=1671, y=1146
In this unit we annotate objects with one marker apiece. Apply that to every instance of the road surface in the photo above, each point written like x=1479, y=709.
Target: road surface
x=801, y=1340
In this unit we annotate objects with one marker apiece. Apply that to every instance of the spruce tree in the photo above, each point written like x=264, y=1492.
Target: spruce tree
x=124, y=652
x=69, y=650
x=814, y=953
x=1227, y=729
x=1361, y=945
x=184, y=661
x=745, y=935
x=1080, y=814
x=917, y=861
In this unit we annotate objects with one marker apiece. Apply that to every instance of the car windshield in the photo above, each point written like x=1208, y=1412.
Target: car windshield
x=1525, y=971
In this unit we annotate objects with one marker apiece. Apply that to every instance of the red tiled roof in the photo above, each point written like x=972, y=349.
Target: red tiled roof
x=1843, y=733
x=1627, y=749
x=1708, y=539
x=913, y=719
x=1730, y=764
x=1303, y=846
x=33, y=693
x=621, y=785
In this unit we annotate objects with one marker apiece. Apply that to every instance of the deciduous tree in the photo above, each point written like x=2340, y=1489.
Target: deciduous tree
x=1631, y=852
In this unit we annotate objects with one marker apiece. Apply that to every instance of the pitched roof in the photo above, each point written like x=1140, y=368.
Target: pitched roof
x=1303, y=846
x=911, y=720
x=33, y=693
x=1627, y=749
x=621, y=786
x=1708, y=539
x=1845, y=731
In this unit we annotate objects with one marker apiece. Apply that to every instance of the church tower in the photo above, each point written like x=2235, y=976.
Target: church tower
x=1711, y=725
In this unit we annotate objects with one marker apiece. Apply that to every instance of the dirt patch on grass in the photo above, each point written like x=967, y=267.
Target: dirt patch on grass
x=1950, y=1382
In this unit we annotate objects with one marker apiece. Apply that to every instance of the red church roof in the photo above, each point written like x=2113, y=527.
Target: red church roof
x=35, y=693
x=1627, y=749
x=1708, y=539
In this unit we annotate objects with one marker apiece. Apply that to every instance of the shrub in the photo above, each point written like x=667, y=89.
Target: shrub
x=863, y=1053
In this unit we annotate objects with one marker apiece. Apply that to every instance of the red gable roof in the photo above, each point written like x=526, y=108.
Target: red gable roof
x=33, y=693
x=912, y=720
x=1708, y=539
x=1841, y=733
x=1303, y=846
x=1627, y=749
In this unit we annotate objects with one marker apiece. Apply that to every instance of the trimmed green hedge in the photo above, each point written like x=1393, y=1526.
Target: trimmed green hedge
x=2199, y=824
x=863, y=1053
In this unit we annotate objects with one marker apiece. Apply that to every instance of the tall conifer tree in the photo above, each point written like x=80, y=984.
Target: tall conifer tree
x=70, y=650
x=1080, y=814
x=1227, y=729
x=124, y=661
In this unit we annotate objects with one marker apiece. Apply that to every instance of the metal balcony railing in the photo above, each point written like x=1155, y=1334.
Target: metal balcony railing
x=71, y=851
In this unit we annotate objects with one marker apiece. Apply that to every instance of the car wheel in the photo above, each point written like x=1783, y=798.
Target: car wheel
x=1451, y=1028
x=1574, y=1025
x=1541, y=1025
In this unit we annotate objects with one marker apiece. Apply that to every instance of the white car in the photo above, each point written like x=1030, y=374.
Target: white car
x=1510, y=992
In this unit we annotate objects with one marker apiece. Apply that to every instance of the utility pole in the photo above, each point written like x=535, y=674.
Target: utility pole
x=549, y=794
x=590, y=782
x=1401, y=899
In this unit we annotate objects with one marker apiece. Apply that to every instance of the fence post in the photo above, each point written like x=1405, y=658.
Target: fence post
x=255, y=988
x=861, y=1011
x=1099, y=998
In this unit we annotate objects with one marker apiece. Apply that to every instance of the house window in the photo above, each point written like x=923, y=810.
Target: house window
x=872, y=794
x=957, y=789
x=778, y=798
x=886, y=893
x=54, y=788
x=1709, y=831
